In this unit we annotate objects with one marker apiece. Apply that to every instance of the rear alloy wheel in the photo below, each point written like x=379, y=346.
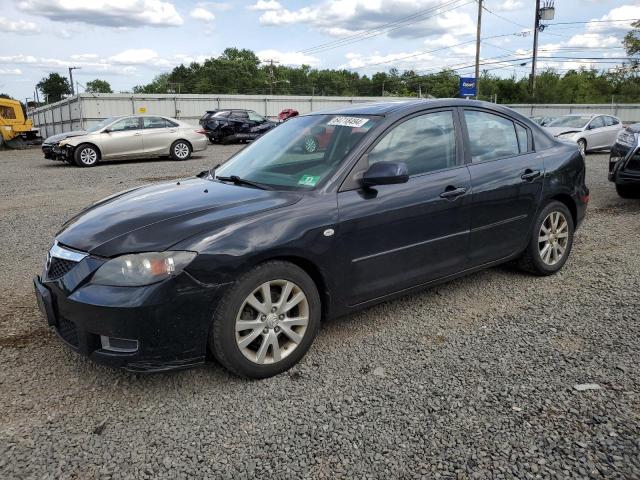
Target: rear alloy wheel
x=310, y=145
x=551, y=240
x=628, y=191
x=180, y=150
x=266, y=323
x=86, y=156
x=582, y=145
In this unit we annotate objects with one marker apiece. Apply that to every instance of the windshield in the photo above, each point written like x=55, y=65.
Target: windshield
x=570, y=121
x=300, y=153
x=102, y=124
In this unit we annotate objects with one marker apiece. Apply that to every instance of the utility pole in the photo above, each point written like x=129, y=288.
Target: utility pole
x=272, y=75
x=479, y=29
x=383, y=89
x=71, y=69
x=536, y=28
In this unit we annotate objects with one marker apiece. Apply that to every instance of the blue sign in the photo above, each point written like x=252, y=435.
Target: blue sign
x=467, y=87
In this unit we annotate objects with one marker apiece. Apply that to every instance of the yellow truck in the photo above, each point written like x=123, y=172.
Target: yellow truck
x=16, y=131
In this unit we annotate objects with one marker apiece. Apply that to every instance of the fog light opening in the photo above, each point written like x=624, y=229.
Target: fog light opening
x=120, y=345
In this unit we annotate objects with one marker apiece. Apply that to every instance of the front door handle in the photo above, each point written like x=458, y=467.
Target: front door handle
x=530, y=174
x=452, y=192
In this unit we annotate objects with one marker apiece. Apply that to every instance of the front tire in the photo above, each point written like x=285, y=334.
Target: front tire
x=551, y=240
x=86, y=156
x=267, y=321
x=181, y=150
x=628, y=191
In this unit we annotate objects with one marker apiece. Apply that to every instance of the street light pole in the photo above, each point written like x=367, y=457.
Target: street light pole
x=71, y=69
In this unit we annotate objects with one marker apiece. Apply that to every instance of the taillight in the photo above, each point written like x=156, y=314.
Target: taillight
x=201, y=132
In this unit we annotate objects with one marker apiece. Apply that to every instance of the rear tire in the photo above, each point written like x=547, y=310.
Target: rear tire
x=550, y=242
x=86, y=155
x=279, y=331
x=180, y=150
x=628, y=191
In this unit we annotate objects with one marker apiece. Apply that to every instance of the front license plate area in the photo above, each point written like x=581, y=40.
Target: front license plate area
x=45, y=303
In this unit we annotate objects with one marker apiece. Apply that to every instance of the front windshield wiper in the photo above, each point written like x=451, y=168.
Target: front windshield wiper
x=243, y=181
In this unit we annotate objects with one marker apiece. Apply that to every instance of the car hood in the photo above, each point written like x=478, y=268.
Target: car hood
x=61, y=136
x=555, y=131
x=155, y=217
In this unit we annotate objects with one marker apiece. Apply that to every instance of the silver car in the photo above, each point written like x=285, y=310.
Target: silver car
x=590, y=132
x=133, y=136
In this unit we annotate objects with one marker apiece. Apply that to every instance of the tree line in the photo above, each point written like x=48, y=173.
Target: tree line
x=240, y=71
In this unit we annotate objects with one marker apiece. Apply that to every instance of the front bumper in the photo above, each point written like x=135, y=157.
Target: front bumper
x=168, y=322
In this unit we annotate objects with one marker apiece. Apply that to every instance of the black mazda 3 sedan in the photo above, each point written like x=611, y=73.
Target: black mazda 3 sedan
x=624, y=162
x=246, y=260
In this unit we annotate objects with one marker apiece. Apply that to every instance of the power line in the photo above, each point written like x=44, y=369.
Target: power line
x=388, y=27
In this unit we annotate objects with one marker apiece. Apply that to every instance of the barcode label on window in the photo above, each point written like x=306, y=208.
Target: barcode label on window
x=356, y=122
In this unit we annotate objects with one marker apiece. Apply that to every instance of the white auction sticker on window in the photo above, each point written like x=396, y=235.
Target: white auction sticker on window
x=348, y=121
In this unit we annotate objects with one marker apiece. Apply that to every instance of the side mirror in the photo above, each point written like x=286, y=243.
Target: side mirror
x=386, y=173
x=106, y=130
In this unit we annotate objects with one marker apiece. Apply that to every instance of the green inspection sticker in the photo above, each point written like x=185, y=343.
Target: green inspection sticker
x=308, y=180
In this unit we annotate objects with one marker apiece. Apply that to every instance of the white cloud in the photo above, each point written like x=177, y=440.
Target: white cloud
x=288, y=58
x=622, y=18
x=265, y=5
x=359, y=60
x=109, y=13
x=137, y=56
x=341, y=17
x=509, y=5
x=202, y=14
x=593, y=40
x=10, y=71
x=18, y=26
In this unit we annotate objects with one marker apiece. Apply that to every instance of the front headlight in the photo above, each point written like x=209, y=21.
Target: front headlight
x=62, y=143
x=566, y=135
x=138, y=269
x=626, y=138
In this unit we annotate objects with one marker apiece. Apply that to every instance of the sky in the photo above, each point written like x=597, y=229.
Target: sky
x=129, y=42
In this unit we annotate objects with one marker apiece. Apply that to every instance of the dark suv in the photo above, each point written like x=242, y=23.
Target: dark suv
x=624, y=162
x=227, y=126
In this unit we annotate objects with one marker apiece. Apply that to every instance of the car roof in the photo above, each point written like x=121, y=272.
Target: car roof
x=393, y=107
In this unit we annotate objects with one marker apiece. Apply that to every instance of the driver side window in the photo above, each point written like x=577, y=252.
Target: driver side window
x=596, y=123
x=426, y=143
x=131, y=123
x=254, y=117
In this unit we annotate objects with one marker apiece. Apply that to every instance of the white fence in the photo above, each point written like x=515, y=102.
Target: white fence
x=627, y=112
x=85, y=110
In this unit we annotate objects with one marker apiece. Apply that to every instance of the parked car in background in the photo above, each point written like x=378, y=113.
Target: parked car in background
x=245, y=260
x=207, y=115
x=131, y=137
x=228, y=126
x=53, y=140
x=543, y=121
x=287, y=113
x=590, y=132
x=624, y=162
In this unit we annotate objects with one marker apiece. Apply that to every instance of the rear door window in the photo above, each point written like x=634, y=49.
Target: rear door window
x=490, y=136
x=154, y=122
x=523, y=138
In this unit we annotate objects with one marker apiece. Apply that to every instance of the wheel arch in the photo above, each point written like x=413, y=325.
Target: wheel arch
x=311, y=269
x=90, y=144
x=569, y=202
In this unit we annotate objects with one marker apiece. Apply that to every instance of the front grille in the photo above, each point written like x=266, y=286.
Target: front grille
x=68, y=331
x=58, y=267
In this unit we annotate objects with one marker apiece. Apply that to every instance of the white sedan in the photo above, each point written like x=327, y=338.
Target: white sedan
x=590, y=132
x=133, y=136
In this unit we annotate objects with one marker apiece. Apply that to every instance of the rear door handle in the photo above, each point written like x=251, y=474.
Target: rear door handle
x=530, y=174
x=453, y=192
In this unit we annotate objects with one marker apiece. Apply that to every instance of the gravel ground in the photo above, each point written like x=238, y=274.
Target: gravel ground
x=472, y=379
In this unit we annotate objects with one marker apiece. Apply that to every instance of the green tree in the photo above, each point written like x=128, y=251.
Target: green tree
x=54, y=87
x=99, y=86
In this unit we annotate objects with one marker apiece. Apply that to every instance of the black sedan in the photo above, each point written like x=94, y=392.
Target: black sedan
x=246, y=261
x=230, y=126
x=624, y=162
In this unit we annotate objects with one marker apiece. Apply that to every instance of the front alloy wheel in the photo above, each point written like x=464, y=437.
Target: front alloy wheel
x=86, y=156
x=267, y=320
x=272, y=321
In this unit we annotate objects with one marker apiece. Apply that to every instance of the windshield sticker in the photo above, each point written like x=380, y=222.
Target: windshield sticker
x=308, y=180
x=356, y=122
